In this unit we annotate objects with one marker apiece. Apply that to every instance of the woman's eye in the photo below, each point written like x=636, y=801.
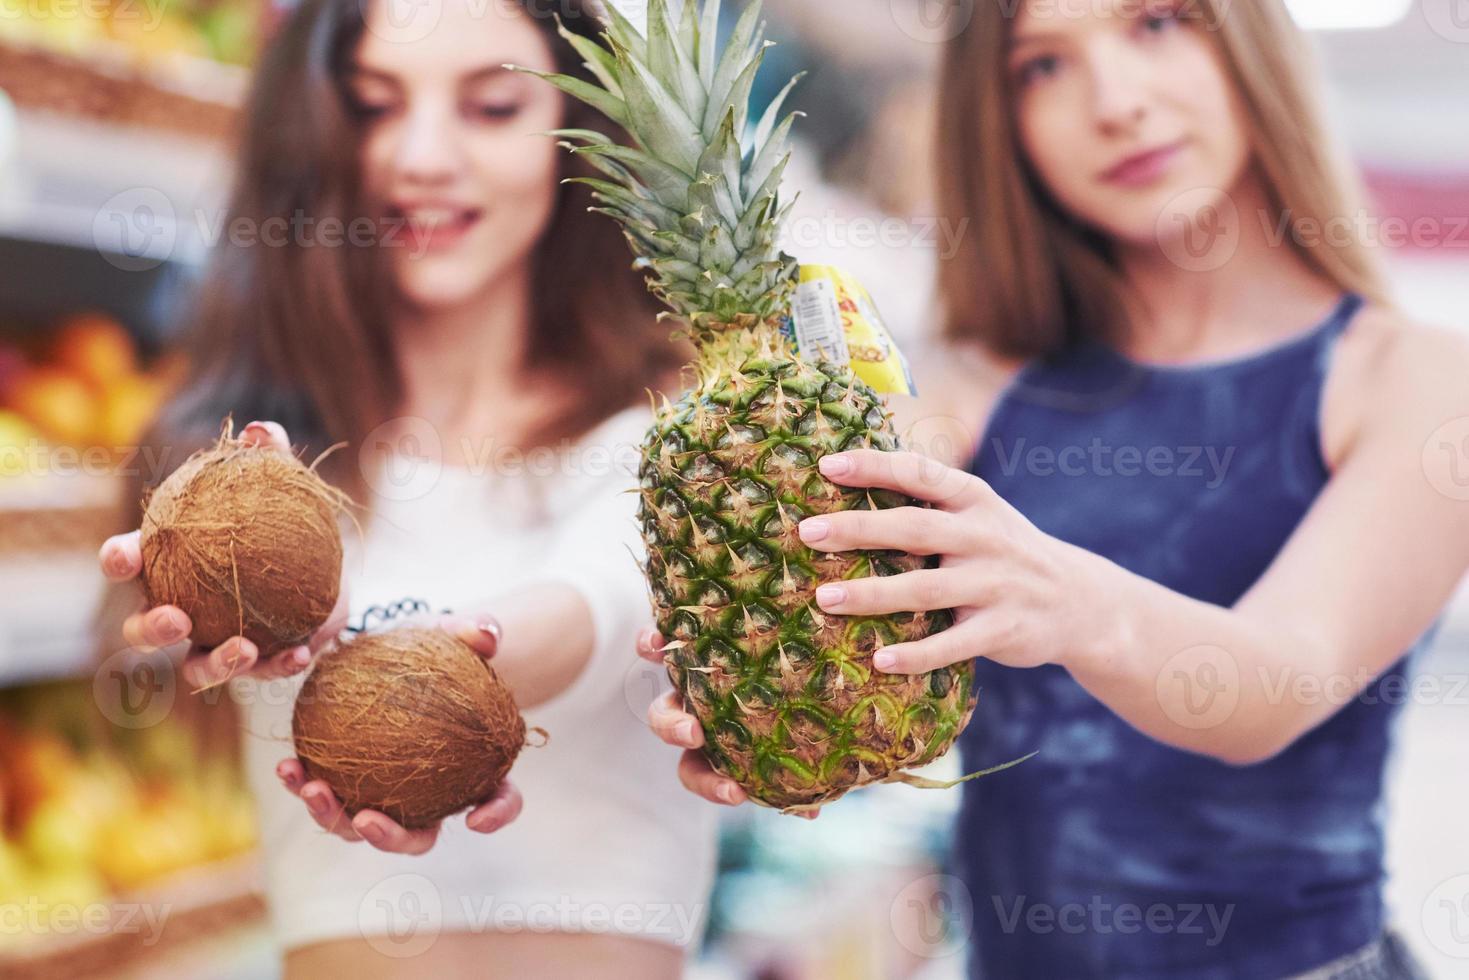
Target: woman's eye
x=1155, y=24
x=368, y=111
x=496, y=111
x=1037, y=69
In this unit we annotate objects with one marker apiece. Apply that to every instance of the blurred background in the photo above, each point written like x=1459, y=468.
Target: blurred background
x=115, y=127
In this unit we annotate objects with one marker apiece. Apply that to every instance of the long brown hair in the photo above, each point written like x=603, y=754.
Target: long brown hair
x=1028, y=278
x=301, y=334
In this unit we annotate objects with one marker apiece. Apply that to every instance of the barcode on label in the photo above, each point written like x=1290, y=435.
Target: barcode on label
x=819, y=334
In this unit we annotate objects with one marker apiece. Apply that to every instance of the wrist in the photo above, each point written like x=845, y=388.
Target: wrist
x=1103, y=631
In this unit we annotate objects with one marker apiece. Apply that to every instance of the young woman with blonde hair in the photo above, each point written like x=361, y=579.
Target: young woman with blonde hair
x=486, y=358
x=1203, y=469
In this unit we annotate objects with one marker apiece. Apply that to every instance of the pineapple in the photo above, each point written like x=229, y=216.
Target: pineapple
x=791, y=706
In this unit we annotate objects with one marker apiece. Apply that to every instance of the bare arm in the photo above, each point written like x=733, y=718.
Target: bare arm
x=1363, y=576
x=548, y=637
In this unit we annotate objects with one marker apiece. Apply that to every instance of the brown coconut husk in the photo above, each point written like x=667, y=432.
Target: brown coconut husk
x=246, y=541
x=410, y=721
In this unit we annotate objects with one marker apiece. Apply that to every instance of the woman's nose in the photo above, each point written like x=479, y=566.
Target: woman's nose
x=428, y=150
x=1119, y=90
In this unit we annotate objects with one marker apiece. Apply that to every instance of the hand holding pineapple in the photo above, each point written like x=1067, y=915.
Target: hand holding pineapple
x=1018, y=596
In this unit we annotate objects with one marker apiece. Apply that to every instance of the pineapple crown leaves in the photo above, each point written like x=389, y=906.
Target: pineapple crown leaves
x=698, y=202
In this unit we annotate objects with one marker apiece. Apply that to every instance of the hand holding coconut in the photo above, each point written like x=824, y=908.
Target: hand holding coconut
x=240, y=551
x=208, y=557
x=397, y=730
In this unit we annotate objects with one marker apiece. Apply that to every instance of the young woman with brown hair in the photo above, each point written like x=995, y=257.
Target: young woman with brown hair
x=1197, y=463
x=484, y=357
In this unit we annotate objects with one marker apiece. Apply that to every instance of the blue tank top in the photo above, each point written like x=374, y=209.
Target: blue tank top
x=1109, y=854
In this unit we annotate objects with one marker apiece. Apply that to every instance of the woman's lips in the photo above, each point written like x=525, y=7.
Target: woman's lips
x=1143, y=168
x=437, y=228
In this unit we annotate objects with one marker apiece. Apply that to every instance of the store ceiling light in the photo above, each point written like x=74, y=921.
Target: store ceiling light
x=1348, y=15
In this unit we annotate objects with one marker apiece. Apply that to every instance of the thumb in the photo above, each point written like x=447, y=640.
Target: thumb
x=481, y=631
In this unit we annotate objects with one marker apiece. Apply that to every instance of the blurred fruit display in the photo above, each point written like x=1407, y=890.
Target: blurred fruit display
x=167, y=64
x=81, y=385
x=223, y=30
x=91, y=813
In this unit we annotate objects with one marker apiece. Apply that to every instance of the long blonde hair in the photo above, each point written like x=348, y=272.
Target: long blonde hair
x=1028, y=278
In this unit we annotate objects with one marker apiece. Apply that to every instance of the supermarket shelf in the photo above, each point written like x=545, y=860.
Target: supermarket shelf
x=136, y=196
x=187, y=908
x=46, y=607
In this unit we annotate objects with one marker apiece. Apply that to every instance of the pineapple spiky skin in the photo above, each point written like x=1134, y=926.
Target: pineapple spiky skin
x=791, y=706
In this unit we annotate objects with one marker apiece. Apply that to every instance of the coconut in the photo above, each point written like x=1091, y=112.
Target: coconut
x=246, y=541
x=409, y=721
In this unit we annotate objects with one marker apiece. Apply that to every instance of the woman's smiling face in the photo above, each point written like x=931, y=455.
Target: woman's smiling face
x=1126, y=113
x=449, y=145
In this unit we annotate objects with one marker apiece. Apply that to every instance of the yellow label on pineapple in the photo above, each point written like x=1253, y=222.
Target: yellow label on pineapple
x=835, y=319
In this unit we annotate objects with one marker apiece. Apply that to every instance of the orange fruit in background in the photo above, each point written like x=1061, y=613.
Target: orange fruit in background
x=17, y=439
x=94, y=347
x=60, y=404
x=127, y=407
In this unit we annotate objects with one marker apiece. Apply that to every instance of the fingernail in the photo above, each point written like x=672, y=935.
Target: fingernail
x=491, y=629
x=685, y=731
x=815, y=529
x=116, y=564
x=372, y=832
x=177, y=623
x=883, y=660
x=289, y=779
x=477, y=823
x=316, y=803
x=834, y=465
x=728, y=793
x=831, y=595
x=303, y=656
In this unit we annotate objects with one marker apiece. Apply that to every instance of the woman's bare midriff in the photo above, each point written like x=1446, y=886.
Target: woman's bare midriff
x=488, y=956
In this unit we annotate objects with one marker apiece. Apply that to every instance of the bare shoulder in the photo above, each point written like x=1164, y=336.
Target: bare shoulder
x=1395, y=377
x=958, y=385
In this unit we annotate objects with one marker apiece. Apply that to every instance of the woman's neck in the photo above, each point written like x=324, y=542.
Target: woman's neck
x=462, y=366
x=1253, y=292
